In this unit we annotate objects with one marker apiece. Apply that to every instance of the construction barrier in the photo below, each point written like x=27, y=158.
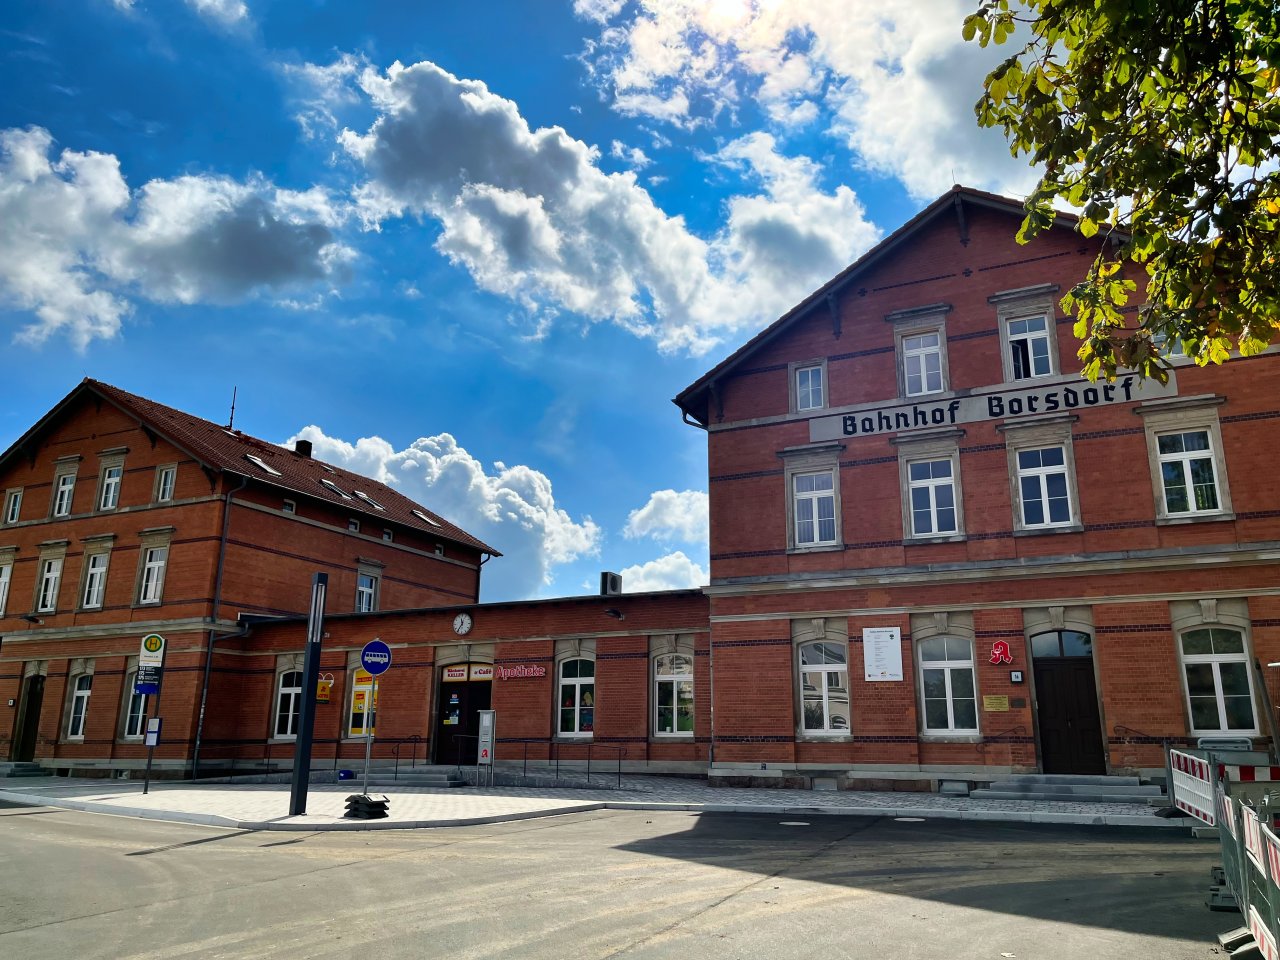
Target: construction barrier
x=1251, y=866
x=1191, y=788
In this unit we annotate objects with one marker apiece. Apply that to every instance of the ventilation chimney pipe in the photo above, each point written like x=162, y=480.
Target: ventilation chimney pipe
x=302, y=448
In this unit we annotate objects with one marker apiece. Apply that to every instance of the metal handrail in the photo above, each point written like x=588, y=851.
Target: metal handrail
x=1128, y=733
x=1020, y=728
x=413, y=756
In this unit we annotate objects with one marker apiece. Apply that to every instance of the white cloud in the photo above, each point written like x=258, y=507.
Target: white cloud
x=77, y=245
x=675, y=571
x=532, y=217
x=513, y=509
x=670, y=515
x=320, y=90
x=226, y=13
x=896, y=82
x=632, y=155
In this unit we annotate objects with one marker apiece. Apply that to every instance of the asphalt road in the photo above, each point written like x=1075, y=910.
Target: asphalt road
x=604, y=884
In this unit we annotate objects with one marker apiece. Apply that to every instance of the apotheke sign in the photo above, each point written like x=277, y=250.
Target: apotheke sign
x=520, y=671
x=1062, y=396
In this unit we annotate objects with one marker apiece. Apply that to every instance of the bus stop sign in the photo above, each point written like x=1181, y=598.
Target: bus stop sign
x=376, y=657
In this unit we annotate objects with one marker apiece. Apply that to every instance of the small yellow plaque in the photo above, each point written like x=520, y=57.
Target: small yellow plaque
x=992, y=704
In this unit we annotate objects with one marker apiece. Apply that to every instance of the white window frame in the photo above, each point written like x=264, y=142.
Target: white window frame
x=920, y=354
x=912, y=453
x=134, y=730
x=289, y=506
x=94, y=592
x=109, y=486
x=48, y=584
x=288, y=704
x=818, y=364
x=78, y=716
x=829, y=728
x=1041, y=476
x=673, y=680
x=1216, y=660
x=64, y=491
x=810, y=387
x=12, y=505
x=388, y=535
x=1193, y=414
x=1184, y=460
x=815, y=500
x=1026, y=303
x=808, y=460
x=166, y=482
x=576, y=684
x=366, y=594
x=948, y=667
x=353, y=525
x=6, y=578
x=1042, y=434
x=1027, y=340
x=154, y=562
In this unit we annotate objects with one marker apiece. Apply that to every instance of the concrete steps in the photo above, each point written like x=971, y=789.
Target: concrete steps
x=8, y=769
x=1070, y=789
x=420, y=776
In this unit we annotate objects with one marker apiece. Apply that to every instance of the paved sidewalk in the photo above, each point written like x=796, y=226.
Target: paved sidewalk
x=263, y=806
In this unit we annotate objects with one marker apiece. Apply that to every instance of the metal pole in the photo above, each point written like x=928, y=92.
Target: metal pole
x=369, y=714
x=307, y=715
x=146, y=777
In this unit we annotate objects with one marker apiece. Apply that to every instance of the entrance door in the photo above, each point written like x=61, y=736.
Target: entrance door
x=28, y=724
x=465, y=690
x=1067, y=703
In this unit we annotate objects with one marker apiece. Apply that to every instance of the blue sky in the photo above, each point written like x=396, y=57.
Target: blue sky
x=470, y=249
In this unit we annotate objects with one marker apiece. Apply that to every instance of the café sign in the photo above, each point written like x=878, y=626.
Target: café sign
x=988, y=403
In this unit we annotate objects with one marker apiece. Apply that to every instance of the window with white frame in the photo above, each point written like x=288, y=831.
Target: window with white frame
x=366, y=593
x=47, y=585
x=288, y=703
x=1043, y=487
x=166, y=481
x=673, y=694
x=947, y=686
x=12, y=506
x=1187, y=472
x=922, y=363
x=1028, y=344
x=931, y=488
x=824, y=688
x=810, y=393
x=289, y=506
x=135, y=717
x=95, y=580
x=577, y=697
x=388, y=535
x=81, y=688
x=814, y=508
x=1219, y=688
x=6, y=574
x=109, y=487
x=63, y=494
x=151, y=584
x=353, y=525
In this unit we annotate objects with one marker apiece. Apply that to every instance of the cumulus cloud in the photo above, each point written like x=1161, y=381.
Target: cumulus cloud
x=896, y=82
x=675, y=571
x=77, y=245
x=512, y=508
x=532, y=217
x=671, y=516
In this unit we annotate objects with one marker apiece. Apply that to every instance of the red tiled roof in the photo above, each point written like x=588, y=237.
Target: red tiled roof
x=225, y=450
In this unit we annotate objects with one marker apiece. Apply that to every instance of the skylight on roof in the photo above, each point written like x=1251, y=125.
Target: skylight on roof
x=422, y=516
x=369, y=500
x=330, y=485
x=258, y=462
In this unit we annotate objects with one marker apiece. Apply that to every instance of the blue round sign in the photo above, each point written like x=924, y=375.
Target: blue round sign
x=376, y=657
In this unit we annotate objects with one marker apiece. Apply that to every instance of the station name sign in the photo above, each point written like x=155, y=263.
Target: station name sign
x=1063, y=396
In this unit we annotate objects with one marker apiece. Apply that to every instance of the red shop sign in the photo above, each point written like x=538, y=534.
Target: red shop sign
x=1000, y=652
x=520, y=671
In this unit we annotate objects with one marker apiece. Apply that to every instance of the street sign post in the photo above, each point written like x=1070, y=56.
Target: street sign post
x=488, y=737
x=149, y=682
x=375, y=657
x=307, y=715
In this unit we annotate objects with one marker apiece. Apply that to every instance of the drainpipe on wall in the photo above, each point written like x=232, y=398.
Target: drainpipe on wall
x=213, y=632
x=711, y=701
x=484, y=558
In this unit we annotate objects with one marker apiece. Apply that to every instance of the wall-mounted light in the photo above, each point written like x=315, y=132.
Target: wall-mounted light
x=615, y=613
x=30, y=618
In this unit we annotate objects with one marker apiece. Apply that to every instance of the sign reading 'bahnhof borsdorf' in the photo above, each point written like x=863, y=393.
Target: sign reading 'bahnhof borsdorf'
x=988, y=403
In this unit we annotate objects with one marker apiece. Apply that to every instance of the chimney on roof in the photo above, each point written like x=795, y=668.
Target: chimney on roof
x=302, y=448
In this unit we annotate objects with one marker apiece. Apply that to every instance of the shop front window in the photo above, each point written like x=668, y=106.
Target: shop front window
x=673, y=694
x=577, y=697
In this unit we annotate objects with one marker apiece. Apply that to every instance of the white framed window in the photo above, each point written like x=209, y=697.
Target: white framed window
x=369, y=500
x=289, y=506
x=673, y=695
x=814, y=508
x=109, y=487
x=1029, y=346
x=12, y=506
x=6, y=574
x=824, y=688
x=1219, y=687
x=424, y=518
x=363, y=715
x=334, y=488
x=166, y=482
x=922, y=363
x=81, y=689
x=931, y=486
x=95, y=581
x=262, y=465
x=288, y=703
x=135, y=715
x=1187, y=472
x=1044, y=487
x=810, y=394
x=151, y=585
x=577, y=700
x=388, y=535
x=353, y=525
x=947, y=688
x=47, y=585
x=63, y=494
x=366, y=593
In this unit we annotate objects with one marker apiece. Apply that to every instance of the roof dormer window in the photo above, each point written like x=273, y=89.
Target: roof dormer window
x=422, y=516
x=369, y=500
x=334, y=488
x=261, y=465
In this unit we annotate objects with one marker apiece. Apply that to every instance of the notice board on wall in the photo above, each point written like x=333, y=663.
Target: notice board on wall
x=882, y=653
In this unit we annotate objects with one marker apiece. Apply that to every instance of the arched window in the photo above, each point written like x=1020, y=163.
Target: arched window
x=577, y=697
x=288, y=703
x=1061, y=643
x=1219, y=688
x=824, y=687
x=672, y=694
x=81, y=688
x=947, y=685
x=135, y=714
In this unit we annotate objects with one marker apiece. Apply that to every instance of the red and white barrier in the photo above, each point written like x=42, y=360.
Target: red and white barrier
x=1192, y=786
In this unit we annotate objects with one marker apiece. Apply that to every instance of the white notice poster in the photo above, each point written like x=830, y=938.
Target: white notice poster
x=882, y=653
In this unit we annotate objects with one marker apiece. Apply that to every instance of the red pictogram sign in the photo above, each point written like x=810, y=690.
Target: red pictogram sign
x=1000, y=652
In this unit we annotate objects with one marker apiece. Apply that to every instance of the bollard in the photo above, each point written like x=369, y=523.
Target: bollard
x=361, y=806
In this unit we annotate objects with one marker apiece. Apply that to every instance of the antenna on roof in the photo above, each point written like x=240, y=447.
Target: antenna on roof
x=232, y=422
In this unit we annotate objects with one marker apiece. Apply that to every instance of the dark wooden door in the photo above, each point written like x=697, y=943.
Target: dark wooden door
x=1067, y=710
x=24, y=738
x=458, y=720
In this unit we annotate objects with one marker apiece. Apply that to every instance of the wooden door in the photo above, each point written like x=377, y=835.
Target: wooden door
x=458, y=720
x=1067, y=711
x=24, y=738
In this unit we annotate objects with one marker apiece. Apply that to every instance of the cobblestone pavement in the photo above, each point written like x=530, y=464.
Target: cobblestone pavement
x=265, y=805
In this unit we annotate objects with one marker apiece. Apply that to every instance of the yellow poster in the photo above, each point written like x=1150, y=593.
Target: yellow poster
x=359, y=700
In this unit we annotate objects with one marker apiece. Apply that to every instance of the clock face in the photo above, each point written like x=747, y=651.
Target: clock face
x=462, y=623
